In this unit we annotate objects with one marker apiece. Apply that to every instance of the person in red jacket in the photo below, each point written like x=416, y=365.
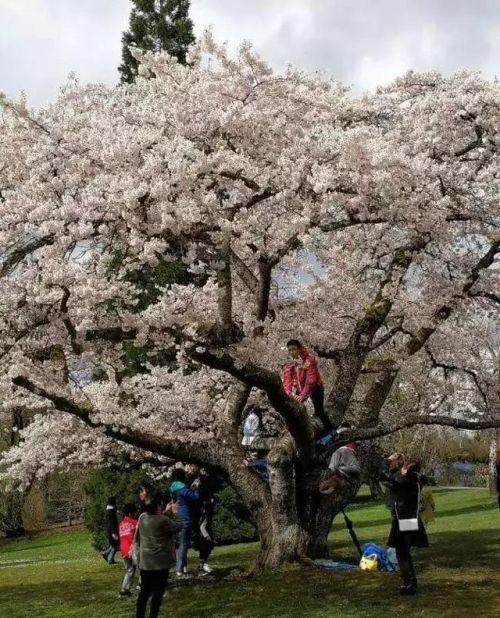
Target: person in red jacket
x=301, y=380
x=126, y=531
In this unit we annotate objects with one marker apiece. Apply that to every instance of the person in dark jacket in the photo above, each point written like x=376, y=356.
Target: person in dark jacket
x=204, y=536
x=154, y=538
x=402, y=480
x=187, y=500
x=111, y=523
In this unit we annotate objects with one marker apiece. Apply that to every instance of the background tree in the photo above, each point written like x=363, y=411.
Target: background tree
x=251, y=178
x=156, y=25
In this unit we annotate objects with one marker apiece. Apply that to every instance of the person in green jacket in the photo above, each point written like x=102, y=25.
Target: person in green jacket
x=154, y=543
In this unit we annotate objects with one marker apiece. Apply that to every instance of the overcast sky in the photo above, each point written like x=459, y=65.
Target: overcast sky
x=361, y=42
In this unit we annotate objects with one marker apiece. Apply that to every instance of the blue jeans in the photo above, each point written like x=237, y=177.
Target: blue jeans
x=184, y=542
x=109, y=553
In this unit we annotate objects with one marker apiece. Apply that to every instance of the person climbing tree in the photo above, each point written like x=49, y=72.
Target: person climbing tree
x=252, y=427
x=344, y=469
x=301, y=380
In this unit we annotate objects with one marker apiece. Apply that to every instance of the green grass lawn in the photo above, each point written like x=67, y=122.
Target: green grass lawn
x=60, y=575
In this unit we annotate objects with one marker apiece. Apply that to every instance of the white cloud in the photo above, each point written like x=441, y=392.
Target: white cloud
x=362, y=42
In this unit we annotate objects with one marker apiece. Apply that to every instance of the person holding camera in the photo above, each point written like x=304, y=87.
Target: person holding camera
x=401, y=477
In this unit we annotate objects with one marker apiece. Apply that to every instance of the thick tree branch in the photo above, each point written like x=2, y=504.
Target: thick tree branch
x=175, y=449
x=494, y=298
x=450, y=367
x=76, y=347
x=387, y=336
x=353, y=356
x=381, y=388
x=243, y=272
x=295, y=415
x=262, y=294
x=443, y=312
x=10, y=261
x=478, y=142
x=370, y=433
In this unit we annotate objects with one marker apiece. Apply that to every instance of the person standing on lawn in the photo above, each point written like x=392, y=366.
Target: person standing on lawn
x=302, y=380
x=145, y=493
x=402, y=480
x=154, y=538
x=126, y=532
x=204, y=522
x=111, y=531
x=188, y=501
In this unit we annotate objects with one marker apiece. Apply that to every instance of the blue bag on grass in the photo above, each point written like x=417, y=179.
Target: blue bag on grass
x=384, y=562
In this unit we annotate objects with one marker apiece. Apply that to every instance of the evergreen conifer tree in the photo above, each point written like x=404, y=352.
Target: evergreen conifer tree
x=156, y=25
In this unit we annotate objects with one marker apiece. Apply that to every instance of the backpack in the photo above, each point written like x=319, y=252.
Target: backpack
x=376, y=553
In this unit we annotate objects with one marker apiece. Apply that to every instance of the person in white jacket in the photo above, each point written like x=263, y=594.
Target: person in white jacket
x=252, y=427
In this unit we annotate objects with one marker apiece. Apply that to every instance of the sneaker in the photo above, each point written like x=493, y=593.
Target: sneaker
x=182, y=576
x=206, y=568
x=104, y=556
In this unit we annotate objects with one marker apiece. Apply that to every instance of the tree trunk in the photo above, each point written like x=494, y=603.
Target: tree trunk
x=12, y=521
x=295, y=523
x=285, y=541
x=281, y=543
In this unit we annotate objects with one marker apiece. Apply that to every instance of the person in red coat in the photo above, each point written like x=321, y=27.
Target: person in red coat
x=302, y=379
x=126, y=531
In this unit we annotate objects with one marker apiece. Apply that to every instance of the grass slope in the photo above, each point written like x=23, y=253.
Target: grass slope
x=60, y=576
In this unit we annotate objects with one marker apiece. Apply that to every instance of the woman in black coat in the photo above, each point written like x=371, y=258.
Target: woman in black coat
x=111, y=526
x=403, y=483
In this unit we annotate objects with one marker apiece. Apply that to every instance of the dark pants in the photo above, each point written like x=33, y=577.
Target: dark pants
x=184, y=543
x=403, y=553
x=153, y=584
x=260, y=467
x=206, y=546
x=318, y=400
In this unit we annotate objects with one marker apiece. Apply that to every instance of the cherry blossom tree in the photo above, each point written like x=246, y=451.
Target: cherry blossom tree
x=366, y=226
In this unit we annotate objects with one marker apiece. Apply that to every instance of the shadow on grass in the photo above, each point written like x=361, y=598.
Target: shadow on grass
x=476, y=508
x=31, y=543
x=458, y=576
x=463, y=549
